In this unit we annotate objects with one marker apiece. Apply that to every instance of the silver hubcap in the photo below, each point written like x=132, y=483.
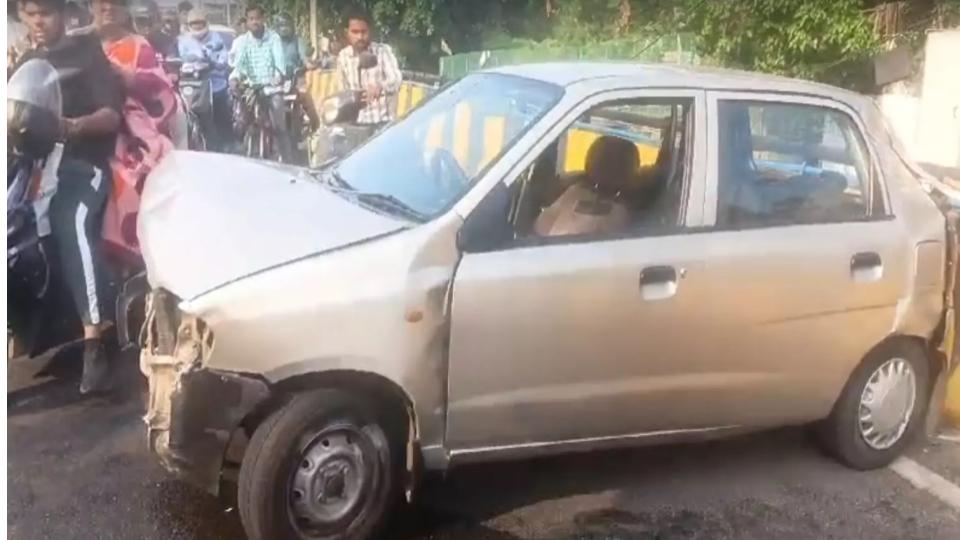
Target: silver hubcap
x=332, y=480
x=886, y=404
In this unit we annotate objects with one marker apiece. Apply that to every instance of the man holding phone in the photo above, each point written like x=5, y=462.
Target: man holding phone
x=379, y=82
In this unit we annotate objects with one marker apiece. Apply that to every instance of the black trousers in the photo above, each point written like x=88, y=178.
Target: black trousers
x=222, y=121
x=76, y=221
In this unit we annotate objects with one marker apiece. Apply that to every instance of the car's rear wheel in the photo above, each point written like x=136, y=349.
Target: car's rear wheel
x=881, y=408
x=321, y=467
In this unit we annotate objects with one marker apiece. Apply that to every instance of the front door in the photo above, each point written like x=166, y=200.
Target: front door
x=582, y=328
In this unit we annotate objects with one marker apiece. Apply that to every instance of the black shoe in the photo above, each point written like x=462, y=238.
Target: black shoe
x=97, y=376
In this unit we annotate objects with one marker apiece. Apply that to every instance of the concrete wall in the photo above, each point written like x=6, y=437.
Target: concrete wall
x=928, y=121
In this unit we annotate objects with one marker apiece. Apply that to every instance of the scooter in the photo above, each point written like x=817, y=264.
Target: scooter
x=36, y=300
x=194, y=86
x=341, y=133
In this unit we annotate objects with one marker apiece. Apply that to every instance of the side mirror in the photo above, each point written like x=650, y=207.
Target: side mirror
x=487, y=228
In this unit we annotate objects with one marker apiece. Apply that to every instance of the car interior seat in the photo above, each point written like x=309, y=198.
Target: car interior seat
x=594, y=204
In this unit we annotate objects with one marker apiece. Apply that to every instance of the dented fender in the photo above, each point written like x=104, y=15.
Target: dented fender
x=192, y=412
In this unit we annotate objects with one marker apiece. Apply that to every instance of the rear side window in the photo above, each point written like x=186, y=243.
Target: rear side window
x=783, y=164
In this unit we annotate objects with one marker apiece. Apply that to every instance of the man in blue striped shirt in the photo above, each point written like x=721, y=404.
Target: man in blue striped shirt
x=260, y=62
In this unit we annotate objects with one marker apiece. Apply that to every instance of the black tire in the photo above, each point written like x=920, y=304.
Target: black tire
x=195, y=139
x=280, y=445
x=840, y=434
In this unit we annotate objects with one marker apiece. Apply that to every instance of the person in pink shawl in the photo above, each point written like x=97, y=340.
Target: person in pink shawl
x=148, y=114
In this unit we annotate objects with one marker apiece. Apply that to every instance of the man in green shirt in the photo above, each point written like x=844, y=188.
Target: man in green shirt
x=259, y=62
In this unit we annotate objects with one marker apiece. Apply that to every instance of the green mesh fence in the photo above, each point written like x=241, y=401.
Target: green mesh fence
x=672, y=49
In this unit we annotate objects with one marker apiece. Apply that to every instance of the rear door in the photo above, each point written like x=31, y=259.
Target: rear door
x=806, y=262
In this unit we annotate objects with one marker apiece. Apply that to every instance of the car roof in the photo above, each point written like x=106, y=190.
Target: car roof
x=631, y=75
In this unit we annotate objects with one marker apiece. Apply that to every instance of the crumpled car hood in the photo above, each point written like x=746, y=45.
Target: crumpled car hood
x=208, y=219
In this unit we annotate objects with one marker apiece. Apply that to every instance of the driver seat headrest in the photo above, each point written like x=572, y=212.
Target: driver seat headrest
x=611, y=163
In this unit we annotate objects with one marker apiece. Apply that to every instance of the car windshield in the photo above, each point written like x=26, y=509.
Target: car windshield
x=427, y=161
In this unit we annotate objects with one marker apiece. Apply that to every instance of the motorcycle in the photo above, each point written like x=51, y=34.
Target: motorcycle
x=41, y=312
x=198, y=100
x=298, y=121
x=341, y=133
x=193, y=85
x=36, y=299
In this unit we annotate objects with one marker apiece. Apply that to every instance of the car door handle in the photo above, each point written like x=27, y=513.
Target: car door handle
x=866, y=267
x=658, y=282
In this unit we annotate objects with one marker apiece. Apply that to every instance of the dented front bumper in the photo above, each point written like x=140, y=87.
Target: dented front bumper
x=192, y=412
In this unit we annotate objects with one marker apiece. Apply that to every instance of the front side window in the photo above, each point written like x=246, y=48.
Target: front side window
x=783, y=164
x=432, y=157
x=621, y=169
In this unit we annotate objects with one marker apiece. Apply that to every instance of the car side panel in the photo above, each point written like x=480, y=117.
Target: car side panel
x=791, y=309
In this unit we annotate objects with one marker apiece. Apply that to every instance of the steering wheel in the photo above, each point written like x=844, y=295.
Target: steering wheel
x=446, y=171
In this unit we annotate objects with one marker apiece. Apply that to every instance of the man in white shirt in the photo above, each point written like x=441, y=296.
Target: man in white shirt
x=378, y=83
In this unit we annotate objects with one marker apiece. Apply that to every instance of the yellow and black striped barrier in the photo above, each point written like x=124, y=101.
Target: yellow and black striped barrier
x=322, y=84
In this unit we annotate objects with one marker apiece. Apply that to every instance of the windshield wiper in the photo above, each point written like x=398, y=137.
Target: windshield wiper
x=389, y=203
x=332, y=179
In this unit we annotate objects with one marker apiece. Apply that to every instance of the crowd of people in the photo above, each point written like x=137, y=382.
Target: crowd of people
x=122, y=115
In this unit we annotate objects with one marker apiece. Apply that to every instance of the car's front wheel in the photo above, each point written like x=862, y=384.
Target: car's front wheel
x=321, y=467
x=881, y=408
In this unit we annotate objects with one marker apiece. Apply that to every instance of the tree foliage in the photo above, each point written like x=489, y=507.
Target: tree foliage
x=829, y=40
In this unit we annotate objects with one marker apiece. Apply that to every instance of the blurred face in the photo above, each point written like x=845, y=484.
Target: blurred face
x=46, y=26
x=255, y=22
x=285, y=30
x=110, y=13
x=170, y=24
x=198, y=27
x=143, y=24
x=358, y=34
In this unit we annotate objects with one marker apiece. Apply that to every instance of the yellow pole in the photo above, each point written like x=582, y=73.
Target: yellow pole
x=953, y=399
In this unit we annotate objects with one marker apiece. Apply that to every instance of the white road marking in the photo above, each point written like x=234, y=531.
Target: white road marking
x=927, y=480
x=950, y=438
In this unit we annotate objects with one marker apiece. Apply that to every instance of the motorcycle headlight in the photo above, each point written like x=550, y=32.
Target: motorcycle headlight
x=33, y=130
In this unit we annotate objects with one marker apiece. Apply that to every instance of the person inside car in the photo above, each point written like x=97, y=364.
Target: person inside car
x=92, y=101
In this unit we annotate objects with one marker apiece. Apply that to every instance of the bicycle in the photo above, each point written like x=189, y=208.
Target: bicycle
x=251, y=111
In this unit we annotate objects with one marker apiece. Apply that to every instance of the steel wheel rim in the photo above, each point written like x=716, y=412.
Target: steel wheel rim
x=886, y=404
x=336, y=474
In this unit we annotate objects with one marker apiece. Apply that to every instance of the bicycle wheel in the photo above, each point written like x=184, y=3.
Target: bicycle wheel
x=249, y=141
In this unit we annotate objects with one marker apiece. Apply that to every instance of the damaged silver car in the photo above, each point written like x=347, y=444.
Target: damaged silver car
x=542, y=259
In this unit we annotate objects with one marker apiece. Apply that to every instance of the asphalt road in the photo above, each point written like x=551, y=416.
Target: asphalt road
x=78, y=468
